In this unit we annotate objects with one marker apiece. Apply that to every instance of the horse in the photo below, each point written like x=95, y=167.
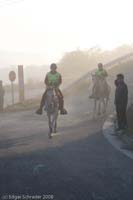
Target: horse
x=101, y=94
x=52, y=108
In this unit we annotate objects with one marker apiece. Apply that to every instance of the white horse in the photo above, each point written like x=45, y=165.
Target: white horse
x=52, y=108
x=101, y=94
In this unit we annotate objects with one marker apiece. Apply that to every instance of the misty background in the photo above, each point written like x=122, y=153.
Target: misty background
x=76, y=35
x=72, y=65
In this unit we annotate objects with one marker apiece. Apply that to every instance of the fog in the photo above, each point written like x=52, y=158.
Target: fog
x=72, y=65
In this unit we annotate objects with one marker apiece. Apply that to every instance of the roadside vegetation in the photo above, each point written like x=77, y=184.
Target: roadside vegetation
x=26, y=105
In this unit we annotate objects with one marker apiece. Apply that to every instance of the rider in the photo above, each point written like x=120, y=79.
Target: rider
x=54, y=79
x=101, y=74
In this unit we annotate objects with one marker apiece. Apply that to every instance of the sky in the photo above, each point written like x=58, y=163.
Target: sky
x=52, y=27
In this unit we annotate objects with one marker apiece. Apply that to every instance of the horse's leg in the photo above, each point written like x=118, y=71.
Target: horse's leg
x=99, y=106
x=52, y=122
x=107, y=96
x=55, y=122
x=94, y=109
x=104, y=105
x=55, y=125
x=107, y=100
x=50, y=127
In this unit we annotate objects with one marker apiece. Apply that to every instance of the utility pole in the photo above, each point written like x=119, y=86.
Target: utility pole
x=21, y=83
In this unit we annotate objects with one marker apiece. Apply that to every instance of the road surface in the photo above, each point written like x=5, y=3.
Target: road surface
x=77, y=164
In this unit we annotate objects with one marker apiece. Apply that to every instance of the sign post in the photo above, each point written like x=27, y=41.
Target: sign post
x=12, y=77
x=21, y=83
x=12, y=87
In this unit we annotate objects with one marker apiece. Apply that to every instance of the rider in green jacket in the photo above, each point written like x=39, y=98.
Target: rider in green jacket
x=101, y=74
x=53, y=78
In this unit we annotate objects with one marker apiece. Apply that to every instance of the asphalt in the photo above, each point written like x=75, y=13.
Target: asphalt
x=77, y=164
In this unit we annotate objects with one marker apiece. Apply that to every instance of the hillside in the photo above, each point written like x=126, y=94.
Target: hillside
x=83, y=84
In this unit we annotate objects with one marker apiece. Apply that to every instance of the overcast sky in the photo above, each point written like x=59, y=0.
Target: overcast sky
x=52, y=27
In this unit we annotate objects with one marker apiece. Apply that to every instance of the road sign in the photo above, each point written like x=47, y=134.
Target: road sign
x=12, y=76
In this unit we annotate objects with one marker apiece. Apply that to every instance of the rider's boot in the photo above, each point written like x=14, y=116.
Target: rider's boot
x=40, y=110
x=91, y=96
x=63, y=111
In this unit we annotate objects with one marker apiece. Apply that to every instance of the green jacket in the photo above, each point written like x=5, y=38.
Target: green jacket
x=53, y=79
x=101, y=73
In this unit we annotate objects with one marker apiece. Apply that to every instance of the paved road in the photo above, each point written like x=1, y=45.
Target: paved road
x=77, y=164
